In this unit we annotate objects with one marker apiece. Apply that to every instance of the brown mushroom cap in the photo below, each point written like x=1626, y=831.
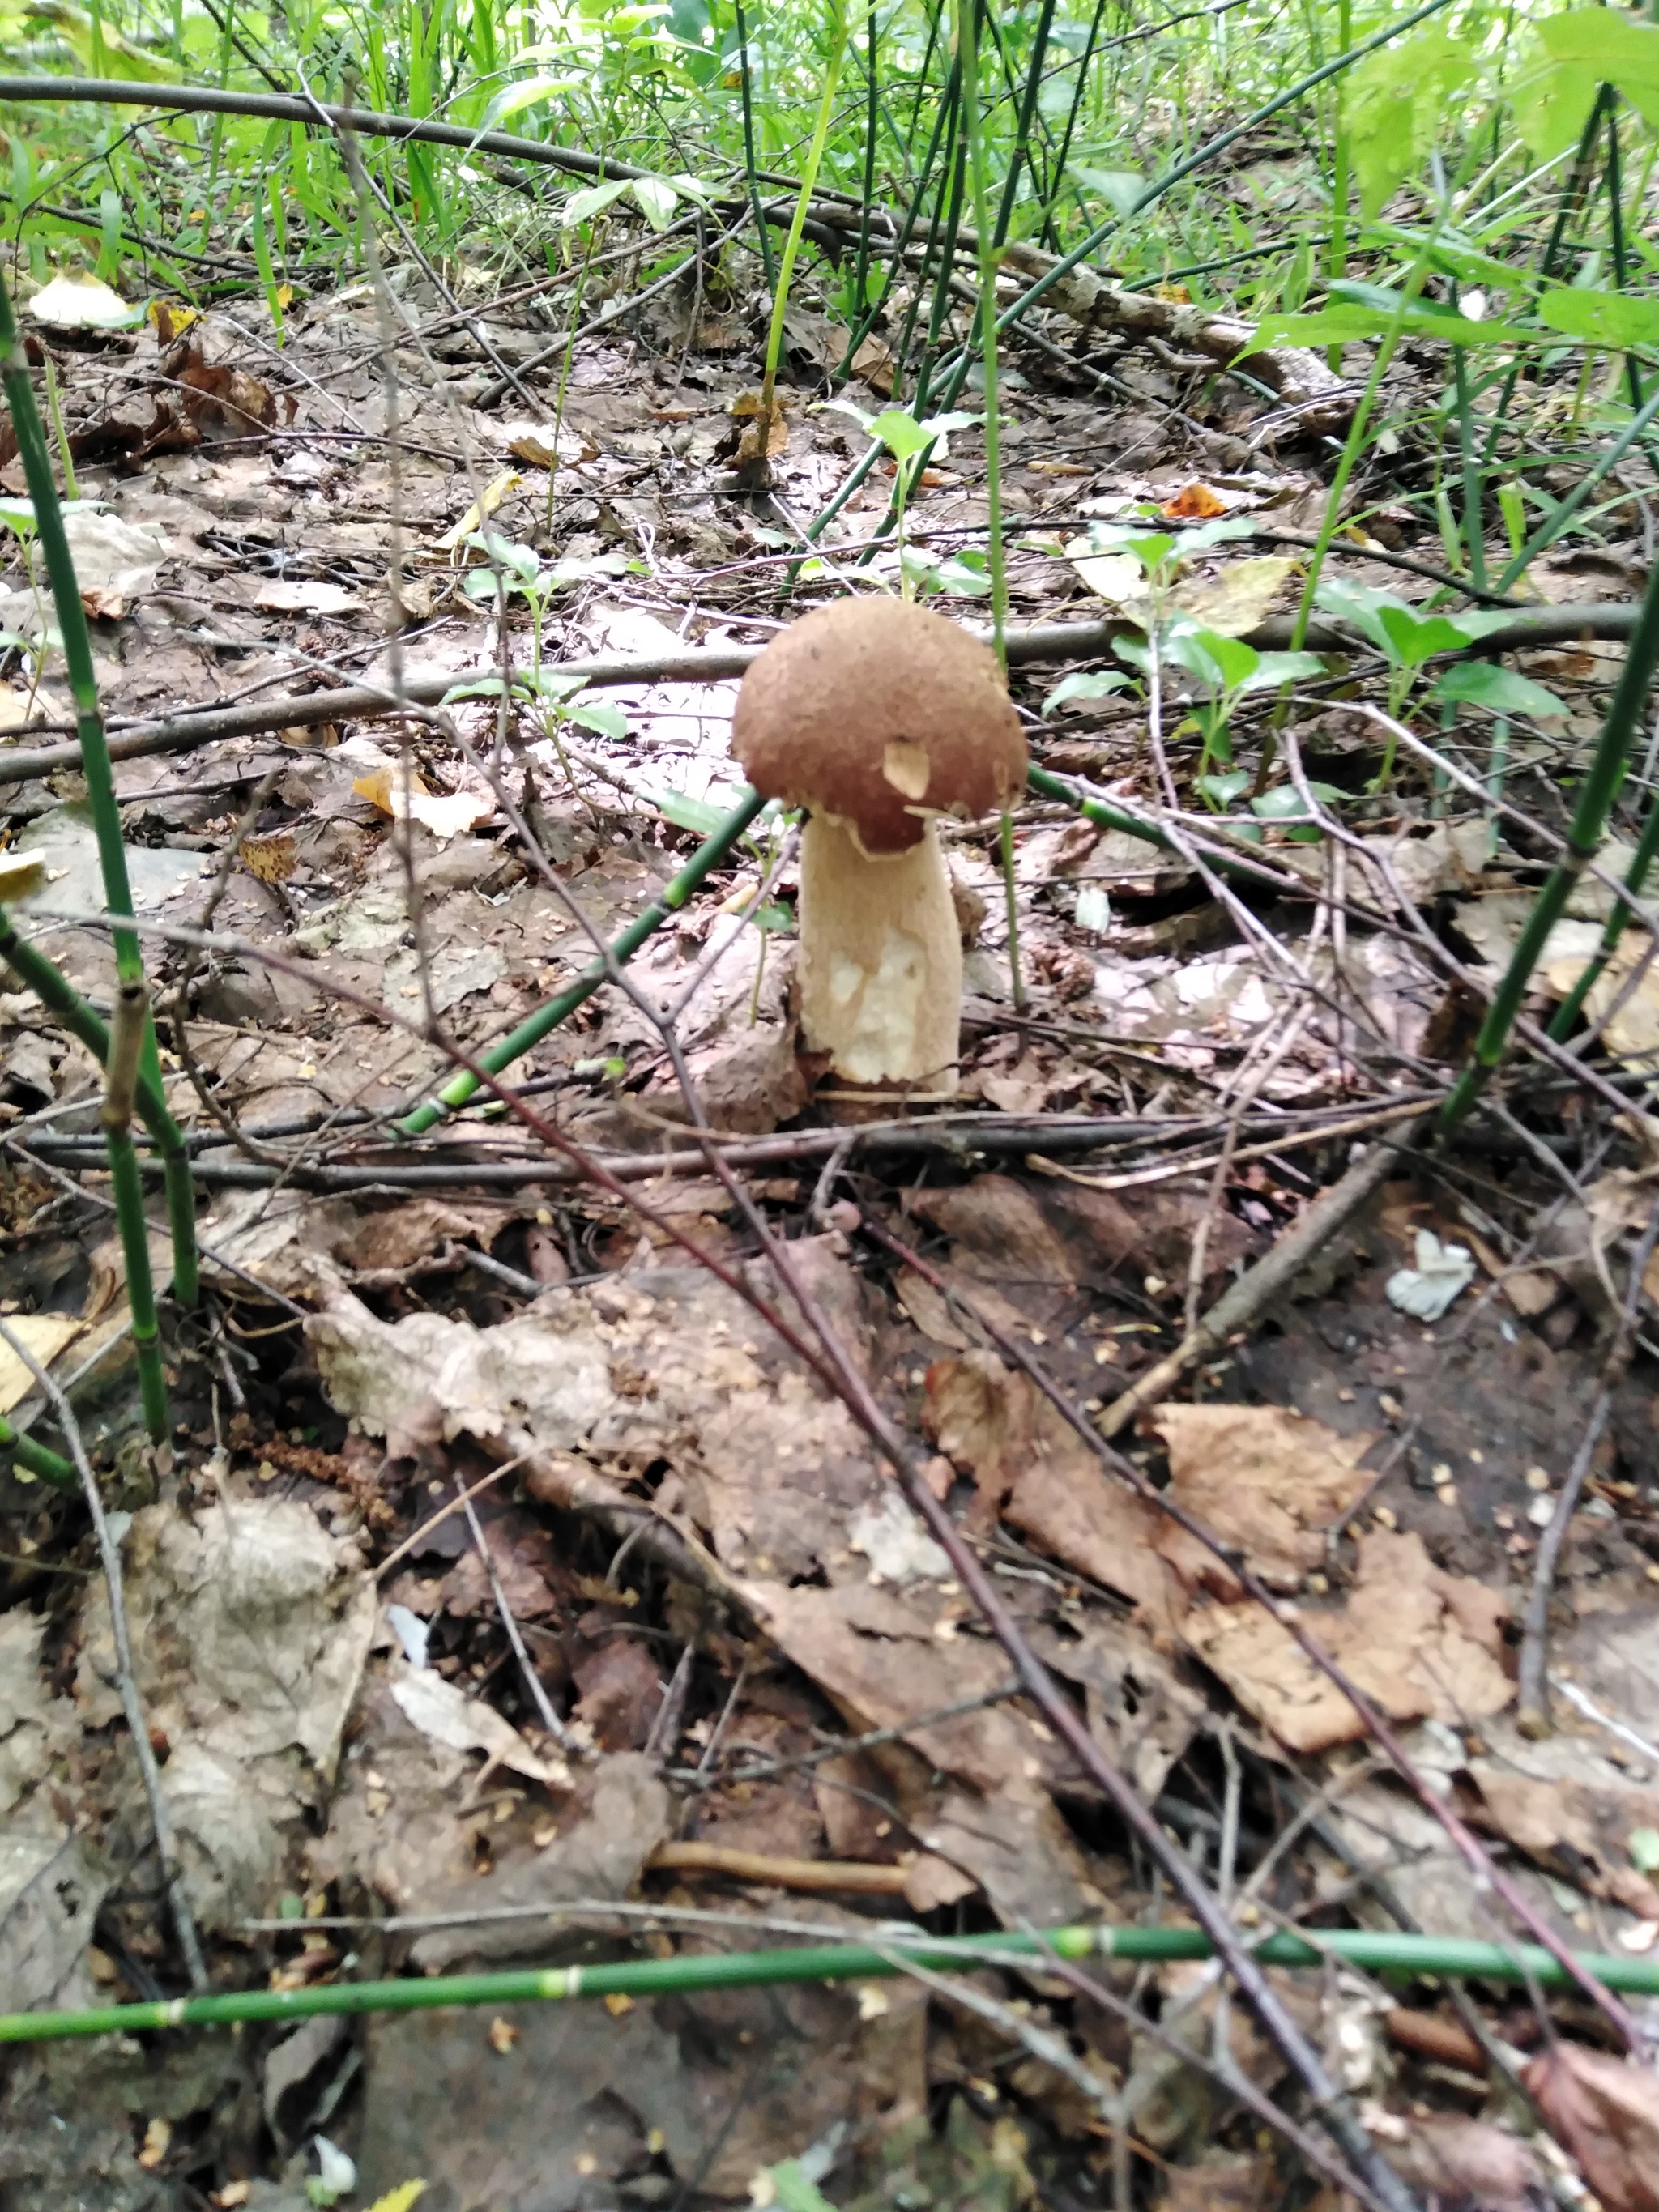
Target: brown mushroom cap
x=881, y=713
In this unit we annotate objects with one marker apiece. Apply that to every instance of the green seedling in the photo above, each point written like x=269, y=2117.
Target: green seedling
x=1408, y=640
x=1227, y=670
x=910, y=443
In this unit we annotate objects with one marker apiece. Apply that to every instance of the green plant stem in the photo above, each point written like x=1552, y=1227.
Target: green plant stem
x=59, y=996
x=809, y=180
x=1556, y=523
x=1336, y=263
x=989, y=258
x=956, y=368
x=762, y=233
x=1369, y=1951
x=126, y=1040
x=1595, y=796
x=35, y=1459
x=668, y=902
x=1616, y=232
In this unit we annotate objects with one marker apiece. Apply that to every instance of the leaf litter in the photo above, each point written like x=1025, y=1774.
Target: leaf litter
x=713, y=1587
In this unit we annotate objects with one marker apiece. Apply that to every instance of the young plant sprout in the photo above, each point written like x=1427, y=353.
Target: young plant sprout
x=878, y=716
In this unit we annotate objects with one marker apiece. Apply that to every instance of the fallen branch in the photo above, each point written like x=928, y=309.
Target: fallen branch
x=1040, y=643
x=1242, y=1305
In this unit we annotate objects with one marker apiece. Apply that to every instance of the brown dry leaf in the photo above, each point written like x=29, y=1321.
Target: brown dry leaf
x=1530, y=1291
x=1621, y=1200
x=306, y=595
x=381, y=786
x=272, y=858
x=404, y=1233
x=46, y=1335
x=1262, y=1478
x=883, y=1661
x=763, y=434
x=873, y=362
x=1604, y=2112
x=1577, y=1821
x=218, y=400
x=1632, y=1032
x=1400, y=1639
x=1030, y=1468
x=1467, y=2162
x=1000, y=1231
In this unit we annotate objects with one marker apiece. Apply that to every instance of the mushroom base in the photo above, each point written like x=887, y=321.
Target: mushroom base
x=880, y=961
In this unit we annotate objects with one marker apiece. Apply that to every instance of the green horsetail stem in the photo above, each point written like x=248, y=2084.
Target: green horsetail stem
x=76, y=640
x=1369, y=1950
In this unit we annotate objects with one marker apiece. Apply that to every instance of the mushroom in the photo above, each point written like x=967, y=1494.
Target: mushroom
x=878, y=716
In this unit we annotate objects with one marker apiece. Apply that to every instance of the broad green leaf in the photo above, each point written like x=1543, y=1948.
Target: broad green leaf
x=794, y=2191
x=1393, y=104
x=1221, y=790
x=599, y=714
x=1602, y=319
x=958, y=575
x=1500, y=690
x=1225, y=664
x=695, y=815
x=1119, y=188
x=1348, y=323
x=592, y=200
x=1276, y=668
x=900, y=433
x=100, y=49
x=1285, y=800
x=776, y=919
x=1414, y=638
x=1087, y=683
x=530, y=92
x=657, y=200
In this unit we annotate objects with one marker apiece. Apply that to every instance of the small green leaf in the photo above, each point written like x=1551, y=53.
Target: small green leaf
x=1087, y=683
x=1500, y=690
x=1602, y=318
x=1119, y=188
x=794, y=2192
x=1221, y=790
x=599, y=714
x=1644, y=1850
x=695, y=815
x=657, y=200
x=592, y=200
x=775, y=918
x=900, y=433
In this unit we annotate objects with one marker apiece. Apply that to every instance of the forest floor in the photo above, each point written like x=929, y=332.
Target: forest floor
x=684, y=1590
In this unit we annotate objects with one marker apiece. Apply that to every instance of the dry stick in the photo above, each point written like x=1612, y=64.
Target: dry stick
x=1241, y=1306
x=1533, y=1713
x=1041, y=643
x=137, y=1728
x=1488, y=1875
x=532, y=1681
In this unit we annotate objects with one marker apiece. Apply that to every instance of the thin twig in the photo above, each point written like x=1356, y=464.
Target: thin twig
x=126, y=1680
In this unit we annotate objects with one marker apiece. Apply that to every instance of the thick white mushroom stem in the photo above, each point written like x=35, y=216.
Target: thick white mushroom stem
x=880, y=963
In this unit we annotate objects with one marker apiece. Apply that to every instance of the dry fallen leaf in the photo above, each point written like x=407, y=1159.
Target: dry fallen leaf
x=1604, y=2112
x=1633, y=1030
x=1261, y=1478
x=1417, y=1642
x=46, y=1335
x=1467, y=2162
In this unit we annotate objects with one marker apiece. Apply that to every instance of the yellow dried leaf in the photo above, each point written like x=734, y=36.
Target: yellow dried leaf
x=383, y=787
x=1239, y=597
x=42, y=1334
x=272, y=858
x=400, y=2199
x=21, y=875
x=480, y=509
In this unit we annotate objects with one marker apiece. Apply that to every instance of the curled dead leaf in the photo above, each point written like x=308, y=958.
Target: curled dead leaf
x=1604, y=2112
